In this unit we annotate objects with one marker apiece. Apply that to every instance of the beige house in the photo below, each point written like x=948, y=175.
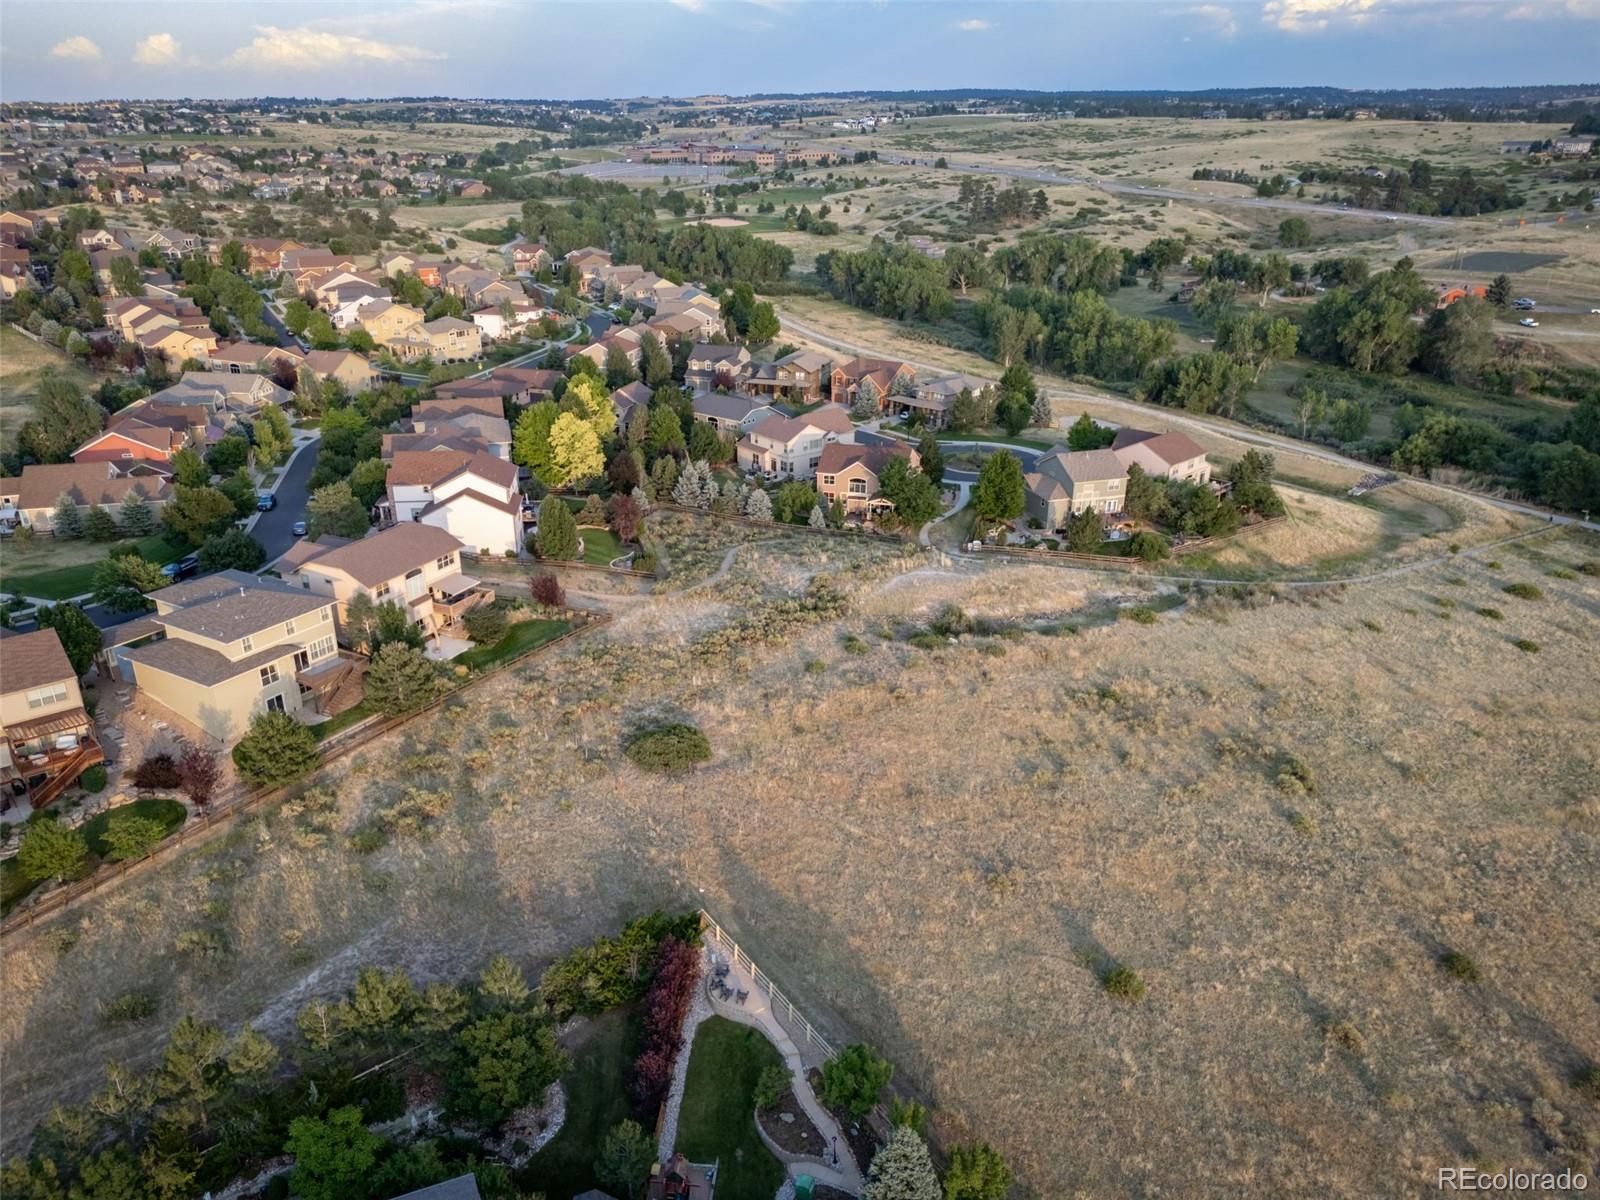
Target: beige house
x=387, y=321
x=346, y=366
x=1162, y=455
x=231, y=646
x=849, y=474
x=46, y=736
x=448, y=339
x=1065, y=482
x=30, y=498
x=791, y=447
x=798, y=377
x=414, y=565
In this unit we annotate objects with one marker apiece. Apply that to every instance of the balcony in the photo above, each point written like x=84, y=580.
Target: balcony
x=49, y=753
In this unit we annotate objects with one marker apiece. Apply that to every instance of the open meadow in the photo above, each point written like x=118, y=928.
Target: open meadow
x=1281, y=807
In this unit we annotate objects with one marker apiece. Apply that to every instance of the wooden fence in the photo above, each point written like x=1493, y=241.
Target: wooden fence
x=242, y=801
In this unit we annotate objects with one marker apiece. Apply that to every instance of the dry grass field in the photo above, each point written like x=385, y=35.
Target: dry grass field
x=21, y=359
x=941, y=851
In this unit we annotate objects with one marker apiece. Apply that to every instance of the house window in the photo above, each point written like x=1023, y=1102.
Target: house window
x=54, y=694
x=325, y=613
x=247, y=645
x=302, y=660
x=446, y=562
x=288, y=626
x=381, y=593
x=827, y=480
x=414, y=585
x=321, y=648
x=858, y=487
x=275, y=704
x=269, y=674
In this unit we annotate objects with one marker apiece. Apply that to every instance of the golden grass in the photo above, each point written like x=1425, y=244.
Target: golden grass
x=1124, y=781
x=21, y=359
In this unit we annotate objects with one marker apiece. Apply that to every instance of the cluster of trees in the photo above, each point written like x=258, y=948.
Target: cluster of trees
x=215, y=1107
x=891, y=280
x=1076, y=333
x=1419, y=189
x=225, y=294
x=988, y=210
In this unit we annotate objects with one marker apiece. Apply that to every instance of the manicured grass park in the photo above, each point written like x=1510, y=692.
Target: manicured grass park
x=24, y=572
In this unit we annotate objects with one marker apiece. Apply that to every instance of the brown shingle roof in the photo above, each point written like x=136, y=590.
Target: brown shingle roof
x=836, y=456
x=33, y=659
x=388, y=554
x=41, y=485
x=189, y=660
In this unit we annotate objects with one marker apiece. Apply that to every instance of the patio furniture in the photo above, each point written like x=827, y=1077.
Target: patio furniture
x=742, y=996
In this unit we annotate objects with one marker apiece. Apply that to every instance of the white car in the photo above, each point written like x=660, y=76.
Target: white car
x=1528, y=323
x=1594, y=312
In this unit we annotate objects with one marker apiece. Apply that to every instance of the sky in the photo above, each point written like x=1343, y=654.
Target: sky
x=580, y=49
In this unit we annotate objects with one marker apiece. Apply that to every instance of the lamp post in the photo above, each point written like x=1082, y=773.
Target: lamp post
x=836, y=1150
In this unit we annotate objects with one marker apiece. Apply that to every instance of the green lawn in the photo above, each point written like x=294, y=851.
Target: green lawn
x=357, y=712
x=522, y=637
x=600, y=546
x=717, y=1123
x=169, y=813
x=62, y=583
x=597, y=1098
x=13, y=887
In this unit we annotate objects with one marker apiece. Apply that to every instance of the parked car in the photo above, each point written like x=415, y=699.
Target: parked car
x=1529, y=323
x=266, y=502
x=299, y=529
x=183, y=568
x=1523, y=303
x=1594, y=312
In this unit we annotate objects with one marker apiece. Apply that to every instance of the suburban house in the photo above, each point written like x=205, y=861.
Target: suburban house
x=502, y=319
x=849, y=474
x=791, y=447
x=46, y=735
x=414, y=565
x=473, y=496
x=798, y=377
x=629, y=397
x=388, y=321
x=266, y=254
x=520, y=385
x=1162, y=455
x=239, y=357
x=628, y=340
x=131, y=440
x=876, y=378
x=471, y=423
x=1065, y=482
x=221, y=392
x=585, y=261
x=344, y=366
x=715, y=367
x=931, y=402
x=447, y=339
x=16, y=274
x=729, y=413
x=31, y=497
x=689, y=324
x=529, y=257
x=1447, y=294
x=230, y=646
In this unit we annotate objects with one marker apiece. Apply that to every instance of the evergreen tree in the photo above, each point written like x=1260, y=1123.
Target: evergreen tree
x=400, y=679
x=999, y=494
x=66, y=521
x=136, y=516
x=98, y=525
x=816, y=520
x=758, y=505
x=976, y=1173
x=502, y=983
x=334, y=509
x=557, y=535
x=277, y=749
x=902, y=1170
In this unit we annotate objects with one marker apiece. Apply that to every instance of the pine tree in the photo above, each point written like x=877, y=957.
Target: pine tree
x=137, y=518
x=816, y=520
x=902, y=1170
x=557, y=536
x=400, y=679
x=98, y=525
x=502, y=983
x=758, y=506
x=66, y=521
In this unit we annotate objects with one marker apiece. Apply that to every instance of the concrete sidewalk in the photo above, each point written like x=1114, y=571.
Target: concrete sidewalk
x=757, y=1011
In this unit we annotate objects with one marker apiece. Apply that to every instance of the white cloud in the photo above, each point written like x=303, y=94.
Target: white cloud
x=1213, y=18
x=76, y=47
x=305, y=49
x=1310, y=16
x=973, y=25
x=1586, y=9
x=694, y=6
x=157, y=50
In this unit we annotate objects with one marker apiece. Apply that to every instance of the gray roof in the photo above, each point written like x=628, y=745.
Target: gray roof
x=462, y=1187
x=190, y=660
x=242, y=612
x=1084, y=466
x=208, y=587
x=725, y=407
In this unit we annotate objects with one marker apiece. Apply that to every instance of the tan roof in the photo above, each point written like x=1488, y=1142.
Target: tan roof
x=836, y=456
x=325, y=362
x=510, y=506
x=1170, y=448
x=41, y=485
x=32, y=660
x=389, y=553
x=203, y=665
x=433, y=467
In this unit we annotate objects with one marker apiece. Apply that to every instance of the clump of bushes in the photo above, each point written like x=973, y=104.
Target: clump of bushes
x=1494, y=614
x=486, y=624
x=1296, y=775
x=611, y=971
x=1123, y=983
x=926, y=641
x=156, y=772
x=815, y=666
x=1526, y=645
x=771, y=1085
x=666, y=1004
x=853, y=644
x=130, y=1006
x=1150, y=547
x=952, y=621
x=1461, y=965
x=853, y=1080
x=545, y=589
x=1140, y=614
x=1587, y=1080
x=1524, y=591
x=94, y=779
x=665, y=748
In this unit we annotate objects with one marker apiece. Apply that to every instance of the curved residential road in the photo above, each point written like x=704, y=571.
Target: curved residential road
x=1212, y=425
